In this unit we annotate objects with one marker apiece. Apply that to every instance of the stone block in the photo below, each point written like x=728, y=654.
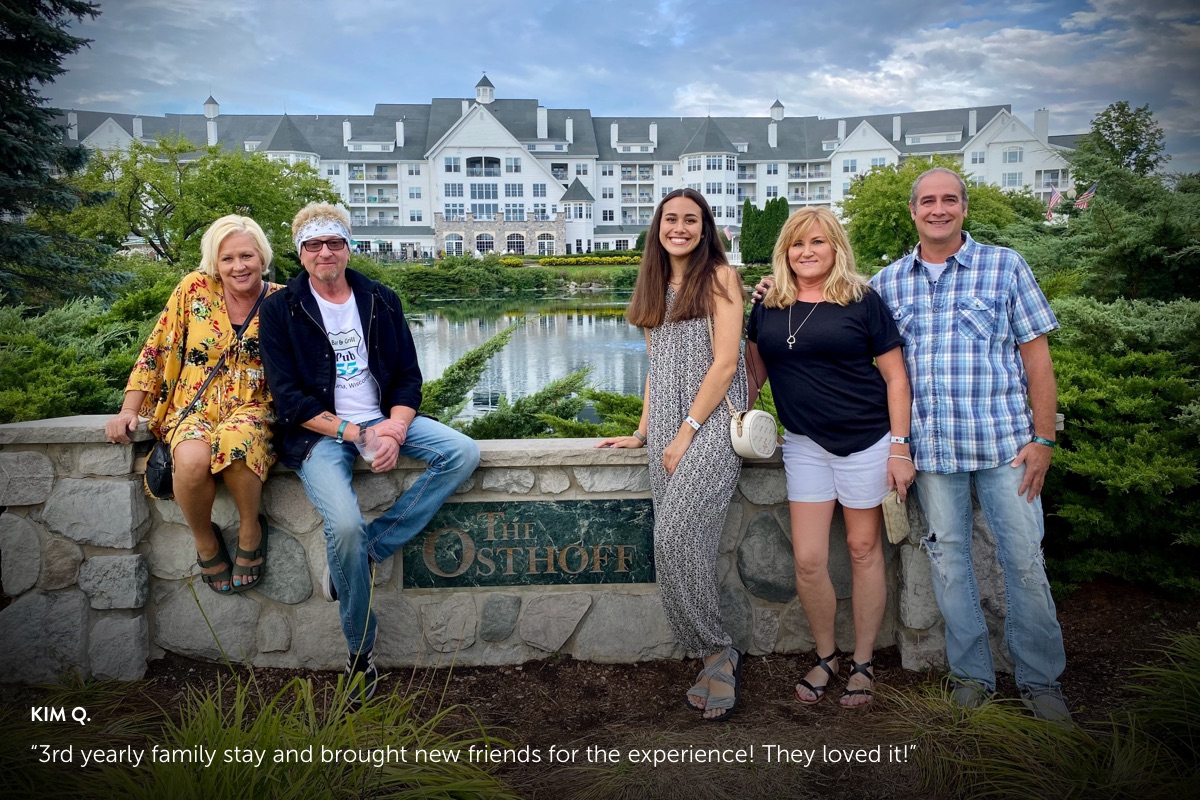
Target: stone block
x=731, y=534
x=466, y=485
x=43, y=636
x=737, y=615
x=449, y=625
x=922, y=650
x=511, y=481
x=26, y=478
x=549, y=620
x=375, y=492
x=613, y=479
x=180, y=627
x=115, y=581
x=763, y=486
x=918, y=606
x=20, y=554
x=553, y=481
x=106, y=460
x=766, y=630
x=623, y=629
x=765, y=560
x=400, y=639
x=285, y=502
x=288, y=578
x=102, y=513
x=172, y=551
x=60, y=562
x=499, y=617
x=274, y=631
x=317, y=638
x=119, y=648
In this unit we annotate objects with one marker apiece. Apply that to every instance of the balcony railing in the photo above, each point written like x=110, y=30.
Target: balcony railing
x=645, y=175
x=559, y=174
x=358, y=176
x=483, y=172
x=645, y=198
x=626, y=174
x=382, y=176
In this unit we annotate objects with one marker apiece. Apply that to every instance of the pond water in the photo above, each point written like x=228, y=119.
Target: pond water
x=559, y=336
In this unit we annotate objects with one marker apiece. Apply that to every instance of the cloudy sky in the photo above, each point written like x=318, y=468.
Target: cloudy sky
x=621, y=57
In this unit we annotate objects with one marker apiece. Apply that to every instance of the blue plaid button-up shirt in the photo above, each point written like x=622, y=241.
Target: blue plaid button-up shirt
x=970, y=396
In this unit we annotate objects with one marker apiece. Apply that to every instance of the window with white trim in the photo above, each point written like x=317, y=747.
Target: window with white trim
x=512, y=164
x=879, y=161
x=606, y=170
x=606, y=193
x=850, y=165
x=693, y=163
x=414, y=193
x=1012, y=180
x=581, y=169
x=454, y=244
x=514, y=212
x=545, y=243
x=1012, y=155
x=539, y=190
x=978, y=156
x=454, y=212
x=515, y=243
x=452, y=163
x=667, y=169
x=607, y=215
x=772, y=191
x=514, y=190
x=453, y=190
x=485, y=243
x=772, y=169
x=414, y=169
x=414, y=215
x=485, y=211
x=485, y=191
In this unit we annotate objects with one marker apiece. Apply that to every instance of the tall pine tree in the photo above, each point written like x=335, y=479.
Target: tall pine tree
x=39, y=267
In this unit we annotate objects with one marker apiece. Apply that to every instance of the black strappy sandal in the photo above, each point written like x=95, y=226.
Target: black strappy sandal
x=819, y=691
x=863, y=669
x=222, y=557
x=258, y=570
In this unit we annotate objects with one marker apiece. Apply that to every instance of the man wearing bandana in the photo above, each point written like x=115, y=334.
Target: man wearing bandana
x=343, y=372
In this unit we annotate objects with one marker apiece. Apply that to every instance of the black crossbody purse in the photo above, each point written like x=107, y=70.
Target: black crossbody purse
x=159, y=469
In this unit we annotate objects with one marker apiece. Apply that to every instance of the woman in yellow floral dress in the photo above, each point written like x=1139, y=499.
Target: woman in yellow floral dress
x=229, y=430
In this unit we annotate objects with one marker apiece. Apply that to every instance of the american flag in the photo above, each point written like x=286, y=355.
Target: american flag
x=1055, y=199
x=728, y=233
x=1086, y=197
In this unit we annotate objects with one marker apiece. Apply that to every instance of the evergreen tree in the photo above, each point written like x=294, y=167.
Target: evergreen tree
x=39, y=266
x=752, y=245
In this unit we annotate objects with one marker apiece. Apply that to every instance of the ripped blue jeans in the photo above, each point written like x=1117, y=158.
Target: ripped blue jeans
x=1031, y=626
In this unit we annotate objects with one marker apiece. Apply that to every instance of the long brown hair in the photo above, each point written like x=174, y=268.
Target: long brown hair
x=648, y=305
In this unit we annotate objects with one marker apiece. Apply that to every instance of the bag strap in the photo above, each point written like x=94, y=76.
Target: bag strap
x=712, y=342
x=238, y=332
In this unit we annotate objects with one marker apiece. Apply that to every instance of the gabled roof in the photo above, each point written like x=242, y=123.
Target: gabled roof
x=485, y=82
x=287, y=138
x=577, y=193
x=709, y=139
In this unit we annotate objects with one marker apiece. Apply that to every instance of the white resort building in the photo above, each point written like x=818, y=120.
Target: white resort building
x=461, y=175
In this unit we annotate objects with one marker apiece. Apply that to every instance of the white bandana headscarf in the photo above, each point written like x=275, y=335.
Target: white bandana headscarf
x=321, y=226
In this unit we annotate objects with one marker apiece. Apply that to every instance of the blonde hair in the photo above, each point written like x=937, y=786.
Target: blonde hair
x=222, y=229
x=842, y=286
x=319, y=211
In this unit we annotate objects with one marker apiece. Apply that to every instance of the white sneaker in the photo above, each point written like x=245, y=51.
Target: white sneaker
x=327, y=587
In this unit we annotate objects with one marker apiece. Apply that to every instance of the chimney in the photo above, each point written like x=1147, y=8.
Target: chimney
x=465, y=107
x=212, y=132
x=773, y=134
x=841, y=130
x=972, y=122
x=345, y=133
x=137, y=128
x=654, y=133
x=570, y=131
x=72, y=126
x=400, y=133
x=212, y=110
x=612, y=130
x=542, y=122
x=896, y=128
x=1041, y=124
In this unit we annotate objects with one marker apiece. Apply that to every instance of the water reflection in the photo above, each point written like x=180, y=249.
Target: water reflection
x=560, y=335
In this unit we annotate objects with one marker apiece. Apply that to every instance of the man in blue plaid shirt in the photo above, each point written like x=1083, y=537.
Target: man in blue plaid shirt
x=974, y=324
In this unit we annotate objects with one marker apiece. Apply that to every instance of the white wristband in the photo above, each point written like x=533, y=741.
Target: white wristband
x=695, y=425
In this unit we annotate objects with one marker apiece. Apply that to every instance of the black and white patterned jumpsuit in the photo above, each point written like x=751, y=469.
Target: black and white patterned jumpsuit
x=690, y=506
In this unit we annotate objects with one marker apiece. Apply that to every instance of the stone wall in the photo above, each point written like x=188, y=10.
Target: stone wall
x=99, y=578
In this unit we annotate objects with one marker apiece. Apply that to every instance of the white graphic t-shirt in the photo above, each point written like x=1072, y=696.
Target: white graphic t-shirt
x=355, y=392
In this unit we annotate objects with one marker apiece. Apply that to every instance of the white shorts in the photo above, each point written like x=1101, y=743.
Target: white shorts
x=814, y=475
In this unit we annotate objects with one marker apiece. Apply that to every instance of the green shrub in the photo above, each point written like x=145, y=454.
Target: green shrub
x=1123, y=494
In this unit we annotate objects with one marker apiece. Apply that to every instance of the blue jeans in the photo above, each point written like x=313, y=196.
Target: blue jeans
x=350, y=541
x=1031, y=626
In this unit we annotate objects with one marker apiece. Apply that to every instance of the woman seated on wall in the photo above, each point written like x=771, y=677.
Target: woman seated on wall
x=832, y=354
x=212, y=313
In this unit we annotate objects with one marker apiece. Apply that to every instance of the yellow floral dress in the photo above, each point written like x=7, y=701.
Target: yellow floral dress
x=235, y=413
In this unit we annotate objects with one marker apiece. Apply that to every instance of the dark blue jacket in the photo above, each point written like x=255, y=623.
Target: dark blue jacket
x=300, y=361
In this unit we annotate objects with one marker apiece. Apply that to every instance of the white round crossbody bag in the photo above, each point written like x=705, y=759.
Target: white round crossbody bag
x=753, y=433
